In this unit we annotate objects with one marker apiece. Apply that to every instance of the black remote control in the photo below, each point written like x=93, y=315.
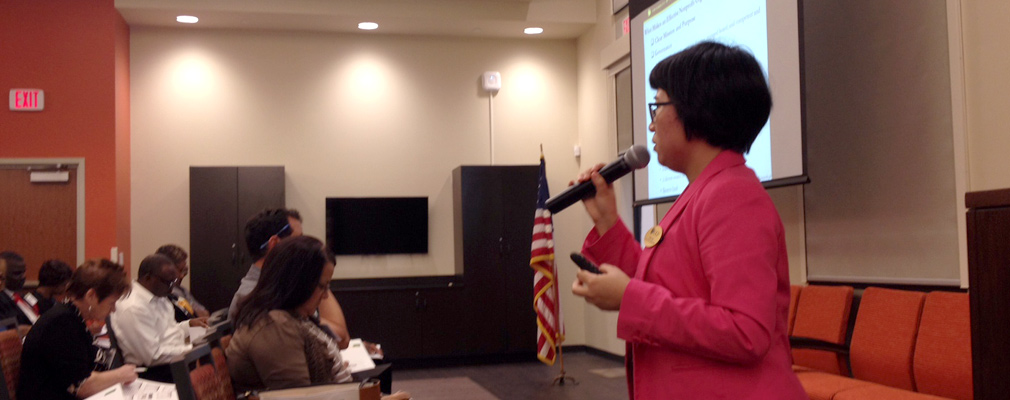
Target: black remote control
x=583, y=263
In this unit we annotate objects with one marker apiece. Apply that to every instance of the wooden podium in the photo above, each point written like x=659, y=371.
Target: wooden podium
x=989, y=292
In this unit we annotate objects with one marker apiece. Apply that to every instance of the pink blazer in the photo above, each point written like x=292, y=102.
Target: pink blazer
x=704, y=316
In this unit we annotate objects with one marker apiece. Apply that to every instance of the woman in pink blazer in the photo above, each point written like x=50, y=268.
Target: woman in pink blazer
x=703, y=306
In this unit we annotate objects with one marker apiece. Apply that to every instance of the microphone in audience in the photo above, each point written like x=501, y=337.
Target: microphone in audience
x=636, y=157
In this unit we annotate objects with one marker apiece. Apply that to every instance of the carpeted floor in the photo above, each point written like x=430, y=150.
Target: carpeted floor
x=459, y=388
x=598, y=378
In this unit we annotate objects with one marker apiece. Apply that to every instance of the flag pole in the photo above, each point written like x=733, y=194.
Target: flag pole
x=562, y=378
x=550, y=325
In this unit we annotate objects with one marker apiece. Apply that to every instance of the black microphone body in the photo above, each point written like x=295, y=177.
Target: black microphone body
x=636, y=157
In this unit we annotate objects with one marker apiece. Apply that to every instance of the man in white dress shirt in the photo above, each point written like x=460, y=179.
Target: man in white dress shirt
x=144, y=320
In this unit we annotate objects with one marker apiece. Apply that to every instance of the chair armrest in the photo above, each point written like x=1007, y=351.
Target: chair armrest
x=798, y=342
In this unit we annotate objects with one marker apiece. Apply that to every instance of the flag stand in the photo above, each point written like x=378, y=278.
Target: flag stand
x=561, y=378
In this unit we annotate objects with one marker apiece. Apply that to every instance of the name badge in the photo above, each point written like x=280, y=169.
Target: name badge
x=31, y=300
x=653, y=237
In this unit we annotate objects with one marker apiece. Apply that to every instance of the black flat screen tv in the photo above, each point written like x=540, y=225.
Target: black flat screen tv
x=377, y=225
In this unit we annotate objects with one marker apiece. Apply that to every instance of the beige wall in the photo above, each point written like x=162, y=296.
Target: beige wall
x=347, y=115
x=986, y=35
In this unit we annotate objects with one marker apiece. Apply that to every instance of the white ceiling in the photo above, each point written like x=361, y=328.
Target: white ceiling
x=561, y=19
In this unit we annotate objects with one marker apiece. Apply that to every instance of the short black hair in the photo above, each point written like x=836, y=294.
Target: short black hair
x=265, y=224
x=54, y=273
x=719, y=92
x=290, y=276
x=152, y=264
x=12, y=258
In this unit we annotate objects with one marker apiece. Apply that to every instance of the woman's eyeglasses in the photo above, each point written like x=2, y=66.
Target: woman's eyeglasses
x=653, y=107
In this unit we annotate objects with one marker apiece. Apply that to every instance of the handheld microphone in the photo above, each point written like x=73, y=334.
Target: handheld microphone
x=636, y=157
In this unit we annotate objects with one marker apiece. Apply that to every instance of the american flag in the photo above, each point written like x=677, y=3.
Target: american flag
x=550, y=325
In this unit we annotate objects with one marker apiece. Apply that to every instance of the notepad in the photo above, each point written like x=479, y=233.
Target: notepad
x=357, y=356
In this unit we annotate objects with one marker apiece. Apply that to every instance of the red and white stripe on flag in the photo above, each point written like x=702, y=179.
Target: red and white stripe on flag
x=550, y=326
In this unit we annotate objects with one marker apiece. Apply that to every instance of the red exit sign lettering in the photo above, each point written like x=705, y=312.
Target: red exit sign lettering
x=27, y=100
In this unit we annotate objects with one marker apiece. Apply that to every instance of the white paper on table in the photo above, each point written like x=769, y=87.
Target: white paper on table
x=357, y=356
x=112, y=393
x=196, y=332
x=143, y=389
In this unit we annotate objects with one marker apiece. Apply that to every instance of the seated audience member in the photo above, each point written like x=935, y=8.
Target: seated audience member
x=186, y=306
x=144, y=320
x=25, y=307
x=278, y=343
x=58, y=358
x=262, y=232
x=54, y=276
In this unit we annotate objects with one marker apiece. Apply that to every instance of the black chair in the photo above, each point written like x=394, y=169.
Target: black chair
x=196, y=377
x=8, y=323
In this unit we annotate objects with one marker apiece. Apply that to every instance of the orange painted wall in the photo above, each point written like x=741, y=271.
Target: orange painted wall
x=77, y=52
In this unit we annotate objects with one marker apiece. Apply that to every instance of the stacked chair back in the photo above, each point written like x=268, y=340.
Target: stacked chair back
x=884, y=337
x=822, y=313
x=196, y=377
x=942, y=362
x=10, y=357
x=218, y=342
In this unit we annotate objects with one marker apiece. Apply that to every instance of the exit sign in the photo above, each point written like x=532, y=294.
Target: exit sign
x=27, y=100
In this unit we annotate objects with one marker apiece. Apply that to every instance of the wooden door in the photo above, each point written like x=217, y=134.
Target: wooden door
x=39, y=219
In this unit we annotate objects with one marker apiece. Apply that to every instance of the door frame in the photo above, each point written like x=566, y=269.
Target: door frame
x=8, y=163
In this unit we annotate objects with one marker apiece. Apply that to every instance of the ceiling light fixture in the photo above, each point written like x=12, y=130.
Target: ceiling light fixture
x=533, y=31
x=187, y=19
x=368, y=26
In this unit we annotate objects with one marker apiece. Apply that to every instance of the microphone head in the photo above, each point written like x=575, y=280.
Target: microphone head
x=637, y=156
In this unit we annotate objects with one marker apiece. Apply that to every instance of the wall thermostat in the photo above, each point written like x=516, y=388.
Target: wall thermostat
x=491, y=81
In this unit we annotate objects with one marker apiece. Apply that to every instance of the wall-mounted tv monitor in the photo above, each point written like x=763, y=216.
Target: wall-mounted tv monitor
x=377, y=225
x=769, y=29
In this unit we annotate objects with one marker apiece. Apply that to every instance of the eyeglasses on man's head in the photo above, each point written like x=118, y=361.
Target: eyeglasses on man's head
x=280, y=234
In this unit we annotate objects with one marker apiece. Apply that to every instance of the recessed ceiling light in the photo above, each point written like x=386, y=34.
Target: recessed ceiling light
x=368, y=26
x=187, y=19
x=533, y=31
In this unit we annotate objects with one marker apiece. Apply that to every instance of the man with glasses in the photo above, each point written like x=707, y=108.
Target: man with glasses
x=263, y=231
x=12, y=302
x=144, y=320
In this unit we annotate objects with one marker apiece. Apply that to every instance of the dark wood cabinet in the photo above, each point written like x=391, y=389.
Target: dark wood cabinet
x=486, y=308
x=989, y=279
x=494, y=209
x=221, y=200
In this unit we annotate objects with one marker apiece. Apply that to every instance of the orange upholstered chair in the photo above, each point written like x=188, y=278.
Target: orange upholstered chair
x=10, y=357
x=942, y=361
x=822, y=313
x=884, y=337
x=881, y=348
x=205, y=383
x=794, y=297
